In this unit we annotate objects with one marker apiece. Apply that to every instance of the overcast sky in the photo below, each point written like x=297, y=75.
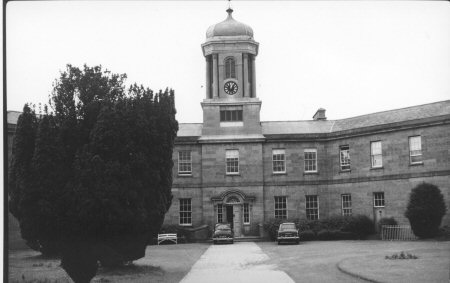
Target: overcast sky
x=349, y=57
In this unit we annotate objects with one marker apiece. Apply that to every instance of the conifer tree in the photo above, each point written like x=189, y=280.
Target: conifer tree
x=102, y=170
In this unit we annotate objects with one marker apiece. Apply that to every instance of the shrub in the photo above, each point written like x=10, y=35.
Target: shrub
x=325, y=235
x=401, y=255
x=307, y=235
x=272, y=226
x=360, y=225
x=386, y=221
x=425, y=210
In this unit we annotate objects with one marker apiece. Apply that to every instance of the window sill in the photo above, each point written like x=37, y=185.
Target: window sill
x=378, y=206
x=185, y=225
x=311, y=173
x=184, y=175
x=232, y=174
x=416, y=164
x=376, y=168
x=279, y=173
x=232, y=124
x=246, y=224
x=345, y=171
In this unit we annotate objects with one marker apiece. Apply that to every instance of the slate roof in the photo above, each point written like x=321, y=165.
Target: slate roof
x=435, y=109
x=331, y=126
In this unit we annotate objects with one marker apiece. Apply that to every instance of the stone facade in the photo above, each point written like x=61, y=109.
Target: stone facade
x=216, y=195
x=204, y=193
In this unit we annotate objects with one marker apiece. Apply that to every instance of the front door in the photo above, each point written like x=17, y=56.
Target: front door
x=237, y=220
x=378, y=213
x=230, y=215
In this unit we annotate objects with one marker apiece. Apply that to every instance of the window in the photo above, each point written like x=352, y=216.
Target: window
x=378, y=199
x=230, y=68
x=219, y=213
x=280, y=207
x=415, y=149
x=232, y=157
x=312, y=207
x=310, y=160
x=246, y=213
x=375, y=154
x=184, y=163
x=346, y=204
x=278, y=161
x=185, y=211
x=231, y=115
x=344, y=156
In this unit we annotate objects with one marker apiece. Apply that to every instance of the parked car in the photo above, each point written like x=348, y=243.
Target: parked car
x=287, y=232
x=223, y=233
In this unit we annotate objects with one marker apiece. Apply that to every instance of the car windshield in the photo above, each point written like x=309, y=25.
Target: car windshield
x=223, y=227
x=288, y=226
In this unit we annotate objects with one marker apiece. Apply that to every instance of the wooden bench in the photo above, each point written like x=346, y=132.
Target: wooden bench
x=167, y=237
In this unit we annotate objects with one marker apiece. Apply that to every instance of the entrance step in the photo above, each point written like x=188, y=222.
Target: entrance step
x=248, y=239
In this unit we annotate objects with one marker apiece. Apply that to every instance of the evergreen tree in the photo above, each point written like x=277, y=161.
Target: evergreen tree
x=102, y=170
x=425, y=210
x=22, y=154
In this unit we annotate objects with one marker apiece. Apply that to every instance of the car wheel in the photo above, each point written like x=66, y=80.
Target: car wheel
x=215, y=242
x=297, y=242
x=279, y=242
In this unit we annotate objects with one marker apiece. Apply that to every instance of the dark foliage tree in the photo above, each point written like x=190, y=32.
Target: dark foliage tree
x=20, y=165
x=101, y=171
x=425, y=210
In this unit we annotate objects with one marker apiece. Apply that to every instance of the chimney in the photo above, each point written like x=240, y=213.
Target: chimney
x=320, y=115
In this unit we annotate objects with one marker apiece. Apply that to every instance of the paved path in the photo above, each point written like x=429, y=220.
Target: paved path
x=240, y=262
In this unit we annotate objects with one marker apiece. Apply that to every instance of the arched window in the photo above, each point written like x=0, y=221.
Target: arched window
x=230, y=68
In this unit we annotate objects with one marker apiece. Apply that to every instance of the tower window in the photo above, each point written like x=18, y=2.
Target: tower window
x=230, y=70
x=231, y=114
x=376, y=154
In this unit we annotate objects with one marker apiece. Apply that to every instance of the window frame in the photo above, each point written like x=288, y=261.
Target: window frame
x=246, y=213
x=344, y=161
x=381, y=200
x=185, y=212
x=219, y=213
x=186, y=162
x=346, y=205
x=283, y=210
x=230, y=68
x=310, y=150
x=375, y=155
x=279, y=163
x=411, y=150
x=310, y=209
x=232, y=162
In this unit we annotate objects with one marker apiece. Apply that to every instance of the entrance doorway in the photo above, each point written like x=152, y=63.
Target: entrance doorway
x=233, y=216
x=230, y=215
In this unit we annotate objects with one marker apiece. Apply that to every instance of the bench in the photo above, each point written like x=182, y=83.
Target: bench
x=167, y=237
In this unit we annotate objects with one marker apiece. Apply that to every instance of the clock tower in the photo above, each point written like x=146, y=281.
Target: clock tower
x=231, y=108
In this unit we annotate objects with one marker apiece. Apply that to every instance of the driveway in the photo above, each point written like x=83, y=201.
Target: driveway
x=240, y=262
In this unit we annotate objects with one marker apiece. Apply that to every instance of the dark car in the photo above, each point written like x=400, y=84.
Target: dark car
x=223, y=233
x=287, y=232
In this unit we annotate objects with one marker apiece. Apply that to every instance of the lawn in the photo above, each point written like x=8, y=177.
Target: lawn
x=165, y=263
x=320, y=261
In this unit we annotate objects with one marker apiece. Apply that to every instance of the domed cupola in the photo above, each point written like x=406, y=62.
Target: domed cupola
x=229, y=27
x=230, y=108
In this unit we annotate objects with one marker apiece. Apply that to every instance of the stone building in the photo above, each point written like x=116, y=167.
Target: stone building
x=235, y=168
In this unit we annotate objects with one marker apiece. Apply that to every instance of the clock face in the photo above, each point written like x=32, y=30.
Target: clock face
x=230, y=87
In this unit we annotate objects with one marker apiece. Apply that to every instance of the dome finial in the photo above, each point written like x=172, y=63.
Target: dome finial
x=229, y=10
